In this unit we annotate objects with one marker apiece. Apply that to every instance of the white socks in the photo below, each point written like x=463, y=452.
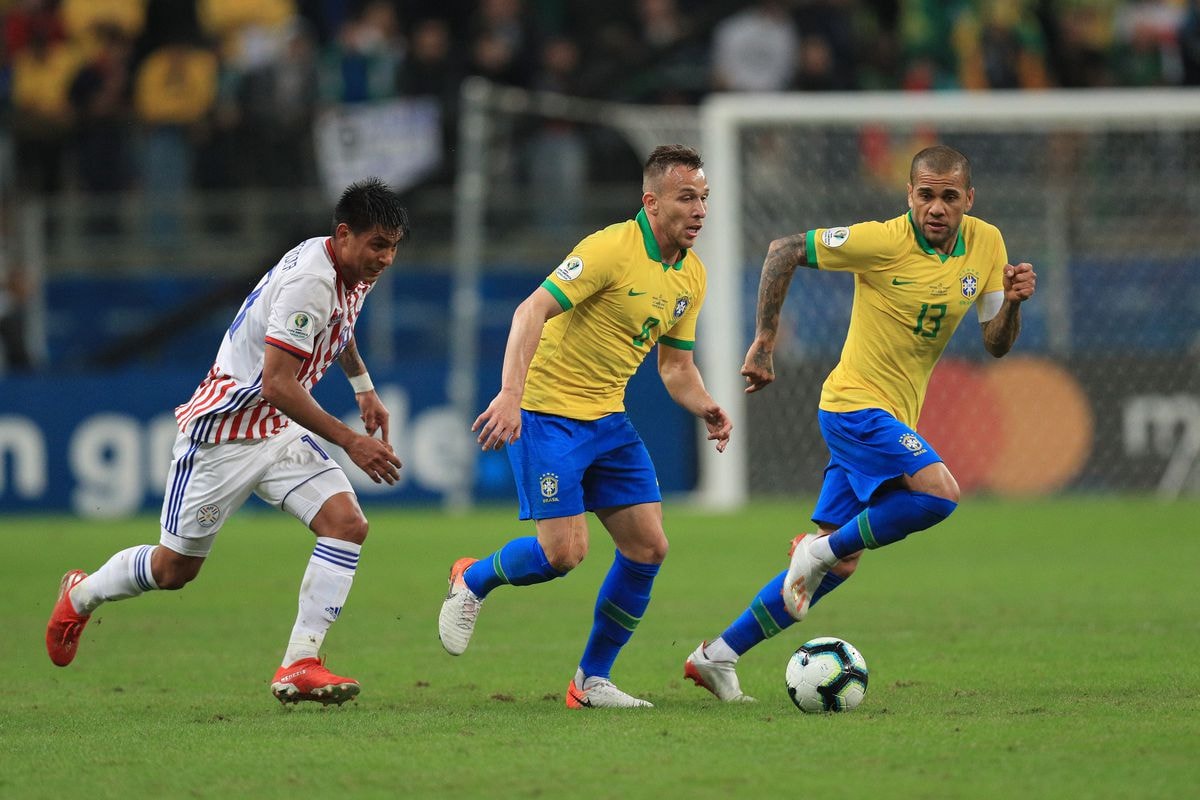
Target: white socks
x=322, y=593
x=824, y=553
x=126, y=574
x=720, y=651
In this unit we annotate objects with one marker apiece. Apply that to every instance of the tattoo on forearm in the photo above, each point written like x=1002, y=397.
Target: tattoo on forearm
x=1001, y=331
x=783, y=256
x=349, y=360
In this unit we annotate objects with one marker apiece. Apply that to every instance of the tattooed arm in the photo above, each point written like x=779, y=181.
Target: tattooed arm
x=783, y=256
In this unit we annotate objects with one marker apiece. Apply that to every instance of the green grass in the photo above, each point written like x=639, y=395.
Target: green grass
x=1045, y=650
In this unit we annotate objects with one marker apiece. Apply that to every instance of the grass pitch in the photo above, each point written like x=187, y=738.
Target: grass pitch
x=1043, y=650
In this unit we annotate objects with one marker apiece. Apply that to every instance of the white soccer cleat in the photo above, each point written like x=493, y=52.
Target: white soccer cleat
x=804, y=575
x=602, y=694
x=460, y=609
x=719, y=677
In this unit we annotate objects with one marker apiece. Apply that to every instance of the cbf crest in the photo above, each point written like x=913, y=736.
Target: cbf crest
x=681, y=306
x=970, y=285
x=912, y=444
x=548, y=485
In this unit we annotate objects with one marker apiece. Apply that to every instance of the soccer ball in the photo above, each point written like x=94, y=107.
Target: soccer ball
x=826, y=674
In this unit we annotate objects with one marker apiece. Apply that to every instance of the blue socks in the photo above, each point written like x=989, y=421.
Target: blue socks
x=767, y=616
x=521, y=562
x=889, y=519
x=623, y=598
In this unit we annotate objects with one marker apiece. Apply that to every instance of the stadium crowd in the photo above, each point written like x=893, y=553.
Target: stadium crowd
x=107, y=95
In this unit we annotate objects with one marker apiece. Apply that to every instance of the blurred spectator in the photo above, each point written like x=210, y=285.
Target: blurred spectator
x=830, y=26
x=674, y=66
x=226, y=20
x=432, y=69
x=42, y=71
x=1082, y=32
x=756, y=50
x=925, y=39
x=175, y=92
x=365, y=61
x=504, y=42
x=1000, y=45
x=1146, y=43
x=100, y=97
x=557, y=151
x=28, y=19
x=278, y=102
x=90, y=22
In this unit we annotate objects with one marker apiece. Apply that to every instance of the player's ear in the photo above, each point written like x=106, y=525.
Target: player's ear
x=341, y=232
x=910, y=203
x=970, y=198
x=650, y=201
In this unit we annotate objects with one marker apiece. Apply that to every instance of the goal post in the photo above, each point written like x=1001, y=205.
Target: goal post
x=1100, y=190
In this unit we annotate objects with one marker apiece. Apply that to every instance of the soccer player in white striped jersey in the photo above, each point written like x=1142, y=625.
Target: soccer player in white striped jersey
x=249, y=427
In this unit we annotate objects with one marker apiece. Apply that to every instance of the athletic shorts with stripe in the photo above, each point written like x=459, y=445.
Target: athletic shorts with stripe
x=208, y=482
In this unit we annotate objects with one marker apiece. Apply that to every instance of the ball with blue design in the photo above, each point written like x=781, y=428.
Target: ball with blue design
x=826, y=674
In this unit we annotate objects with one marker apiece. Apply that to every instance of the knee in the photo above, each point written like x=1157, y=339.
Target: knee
x=656, y=551
x=566, y=556
x=175, y=576
x=349, y=528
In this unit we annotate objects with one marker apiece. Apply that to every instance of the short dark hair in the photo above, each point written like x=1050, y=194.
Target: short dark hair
x=369, y=204
x=666, y=156
x=941, y=160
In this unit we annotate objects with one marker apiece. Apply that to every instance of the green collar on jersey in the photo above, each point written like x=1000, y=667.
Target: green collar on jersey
x=960, y=247
x=652, y=244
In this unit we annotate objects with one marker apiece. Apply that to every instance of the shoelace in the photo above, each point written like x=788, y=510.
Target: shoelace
x=470, y=611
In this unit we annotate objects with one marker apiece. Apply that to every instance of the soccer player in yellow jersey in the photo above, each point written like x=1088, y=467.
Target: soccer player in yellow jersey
x=573, y=345
x=915, y=278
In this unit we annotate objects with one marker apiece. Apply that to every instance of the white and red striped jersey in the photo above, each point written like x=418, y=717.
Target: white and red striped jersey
x=302, y=306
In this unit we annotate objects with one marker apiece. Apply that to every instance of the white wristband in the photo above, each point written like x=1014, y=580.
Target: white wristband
x=361, y=383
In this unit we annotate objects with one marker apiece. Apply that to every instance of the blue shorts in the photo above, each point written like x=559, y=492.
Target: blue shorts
x=867, y=448
x=564, y=467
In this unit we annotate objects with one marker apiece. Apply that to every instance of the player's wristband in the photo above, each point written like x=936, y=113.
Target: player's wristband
x=361, y=383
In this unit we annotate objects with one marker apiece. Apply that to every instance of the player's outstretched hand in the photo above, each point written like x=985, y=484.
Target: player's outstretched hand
x=718, y=424
x=500, y=422
x=759, y=368
x=373, y=413
x=1020, y=281
x=376, y=458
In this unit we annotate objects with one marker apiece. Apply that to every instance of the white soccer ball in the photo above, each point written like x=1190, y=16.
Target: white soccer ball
x=826, y=674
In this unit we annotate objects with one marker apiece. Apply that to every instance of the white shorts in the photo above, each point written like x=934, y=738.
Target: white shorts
x=208, y=482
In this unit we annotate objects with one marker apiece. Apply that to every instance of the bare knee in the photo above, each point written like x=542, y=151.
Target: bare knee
x=173, y=571
x=565, y=556
x=341, y=520
x=651, y=552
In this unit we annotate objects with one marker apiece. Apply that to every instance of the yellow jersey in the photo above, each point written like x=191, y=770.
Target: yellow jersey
x=908, y=300
x=619, y=298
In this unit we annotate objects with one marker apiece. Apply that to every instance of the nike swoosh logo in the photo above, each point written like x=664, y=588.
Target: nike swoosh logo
x=632, y=293
x=898, y=282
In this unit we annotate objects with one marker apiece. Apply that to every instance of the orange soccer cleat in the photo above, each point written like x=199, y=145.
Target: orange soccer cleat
x=66, y=624
x=307, y=679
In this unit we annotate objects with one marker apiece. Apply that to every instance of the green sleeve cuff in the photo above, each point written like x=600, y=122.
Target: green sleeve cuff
x=811, y=249
x=678, y=344
x=549, y=286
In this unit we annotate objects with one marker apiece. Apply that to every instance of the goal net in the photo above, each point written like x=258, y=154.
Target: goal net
x=1100, y=191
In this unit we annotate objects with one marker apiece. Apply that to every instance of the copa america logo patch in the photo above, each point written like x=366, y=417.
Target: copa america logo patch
x=835, y=237
x=970, y=285
x=208, y=515
x=912, y=443
x=549, y=487
x=681, y=306
x=570, y=269
x=299, y=325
